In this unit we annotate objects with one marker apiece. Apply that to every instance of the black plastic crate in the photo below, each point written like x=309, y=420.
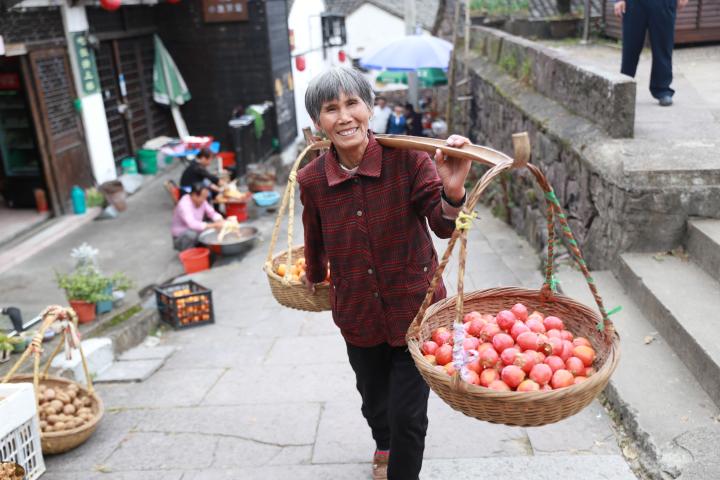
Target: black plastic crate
x=185, y=304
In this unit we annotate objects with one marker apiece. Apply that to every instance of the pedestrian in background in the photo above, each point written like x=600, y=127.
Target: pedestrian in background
x=380, y=116
x=397, y=123
x=366, y=211
x=190, y=215
x=198, y=171
x=414, y=121
x=658, y=18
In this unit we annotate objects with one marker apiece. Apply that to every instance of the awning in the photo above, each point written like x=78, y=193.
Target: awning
x=427, y=77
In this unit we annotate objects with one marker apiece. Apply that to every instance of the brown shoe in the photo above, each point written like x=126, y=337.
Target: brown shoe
x=379, y=466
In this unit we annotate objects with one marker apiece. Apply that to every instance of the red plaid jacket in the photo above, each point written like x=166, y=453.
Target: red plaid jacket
x=372, y=227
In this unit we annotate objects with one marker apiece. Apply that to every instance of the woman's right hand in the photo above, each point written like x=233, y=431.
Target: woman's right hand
x=308, y=284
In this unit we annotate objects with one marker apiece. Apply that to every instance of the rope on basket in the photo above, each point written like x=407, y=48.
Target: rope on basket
x=64, y=320
x=464, y=220
x=554, y=208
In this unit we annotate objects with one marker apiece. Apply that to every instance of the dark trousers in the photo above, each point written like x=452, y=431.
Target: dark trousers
x=658, y=18
x=394, y=403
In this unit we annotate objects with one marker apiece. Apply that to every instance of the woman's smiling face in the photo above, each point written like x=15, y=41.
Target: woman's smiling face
x=345, y=121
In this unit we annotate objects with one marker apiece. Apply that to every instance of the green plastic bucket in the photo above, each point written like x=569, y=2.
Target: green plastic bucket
x=148, y=161
x=128, y=165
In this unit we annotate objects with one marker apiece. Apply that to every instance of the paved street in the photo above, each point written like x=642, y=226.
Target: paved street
x=267, y=393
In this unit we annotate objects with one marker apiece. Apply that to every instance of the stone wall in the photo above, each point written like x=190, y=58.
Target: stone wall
x=612, y=206
x=606, y=98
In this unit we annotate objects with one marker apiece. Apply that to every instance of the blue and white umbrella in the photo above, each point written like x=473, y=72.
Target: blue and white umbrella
x=410, y=53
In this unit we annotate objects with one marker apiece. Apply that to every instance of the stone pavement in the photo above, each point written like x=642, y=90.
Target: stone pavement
x=267, y=393
x=137, y=243
x=695, y=113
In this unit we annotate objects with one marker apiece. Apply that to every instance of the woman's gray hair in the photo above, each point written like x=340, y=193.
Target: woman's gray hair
x=328, y=85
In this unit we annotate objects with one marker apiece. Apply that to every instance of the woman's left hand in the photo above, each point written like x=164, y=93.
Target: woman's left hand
x=453, y=171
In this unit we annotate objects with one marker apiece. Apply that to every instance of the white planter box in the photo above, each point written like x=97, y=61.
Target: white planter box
x=20, y=430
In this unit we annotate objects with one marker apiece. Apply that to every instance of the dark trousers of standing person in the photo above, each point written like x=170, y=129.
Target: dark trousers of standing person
x=658, y=18
x=394, y=403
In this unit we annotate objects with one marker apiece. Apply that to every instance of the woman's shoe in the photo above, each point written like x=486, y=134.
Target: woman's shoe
x=380, y=465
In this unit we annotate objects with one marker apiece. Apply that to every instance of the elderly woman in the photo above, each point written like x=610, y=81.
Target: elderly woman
x=366, y=211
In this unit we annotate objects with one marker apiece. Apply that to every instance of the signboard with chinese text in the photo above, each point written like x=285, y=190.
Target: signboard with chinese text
x=89, y=79
x=225, y=11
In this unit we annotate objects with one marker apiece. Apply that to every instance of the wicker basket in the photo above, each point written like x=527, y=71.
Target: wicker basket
x=295, y=294
x=518, y=408
x=515, y=408
x=288, y=292
x=59, y=442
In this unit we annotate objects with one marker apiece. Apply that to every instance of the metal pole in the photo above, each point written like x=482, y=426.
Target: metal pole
x=466, y=77
x=452, y=74
x=410, y=20
x=586, y=23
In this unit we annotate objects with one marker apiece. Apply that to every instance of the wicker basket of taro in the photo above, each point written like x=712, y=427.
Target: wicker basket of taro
x=285, y=269
x=69, y=412
x=491, y=354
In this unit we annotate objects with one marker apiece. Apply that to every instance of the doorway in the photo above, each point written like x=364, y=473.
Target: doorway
x=21, y=168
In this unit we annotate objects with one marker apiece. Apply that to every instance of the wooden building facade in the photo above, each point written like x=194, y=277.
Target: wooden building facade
x=42, y=141
x=698, y=22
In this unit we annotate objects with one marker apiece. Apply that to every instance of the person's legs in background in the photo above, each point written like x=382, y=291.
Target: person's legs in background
x=634, y=27
x=188, y=239
x=661, y=25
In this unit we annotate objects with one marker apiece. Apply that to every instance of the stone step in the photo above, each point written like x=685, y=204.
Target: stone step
x=703, y=244
x=682, y=302
x=655, y=396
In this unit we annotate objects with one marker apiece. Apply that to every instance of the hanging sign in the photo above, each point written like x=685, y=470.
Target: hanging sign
x=86, y=64
x=225, y=10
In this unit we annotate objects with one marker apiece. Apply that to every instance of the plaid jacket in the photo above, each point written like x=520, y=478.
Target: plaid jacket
x=371, y=226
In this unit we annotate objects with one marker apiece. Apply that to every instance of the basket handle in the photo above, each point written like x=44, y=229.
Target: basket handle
x=554, y=210
x=50, y=315
x=521, y=145
x=288, y=205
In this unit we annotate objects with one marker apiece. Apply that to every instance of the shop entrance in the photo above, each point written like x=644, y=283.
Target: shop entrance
x=21, y=171
x=42, y=143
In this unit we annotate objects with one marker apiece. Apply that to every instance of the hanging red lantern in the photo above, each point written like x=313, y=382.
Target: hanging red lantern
x=341, y=55
x=173, y=1
x=300, y=63
x=110, y=5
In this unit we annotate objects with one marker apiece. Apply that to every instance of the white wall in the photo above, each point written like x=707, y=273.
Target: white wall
x=93, y=116
x=304, y=20
x=370, y=28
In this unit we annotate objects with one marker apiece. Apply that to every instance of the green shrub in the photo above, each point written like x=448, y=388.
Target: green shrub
x=85, y=284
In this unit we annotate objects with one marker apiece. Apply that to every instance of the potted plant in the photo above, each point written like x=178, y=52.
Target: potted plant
x=84, y=287
x=118, y=283
x=7, y=345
